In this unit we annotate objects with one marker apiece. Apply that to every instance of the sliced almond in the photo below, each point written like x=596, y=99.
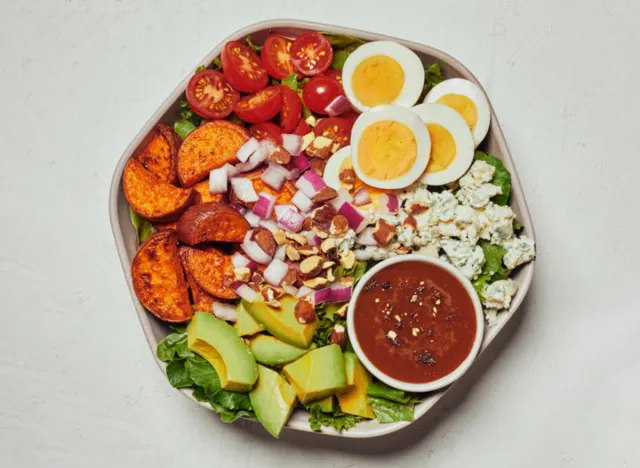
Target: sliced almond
x=297, y=238
x=325, y=194
x=347, y=259
x=292, y=253
x=311, y=266
x=308, y=250
x=316, y=282
x=328, y=245
x=243, y=274
x=280, y=236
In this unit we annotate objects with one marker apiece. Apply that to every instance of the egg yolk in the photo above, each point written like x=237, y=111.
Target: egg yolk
x=463, y=106
x=377, y=80
x=387, y=150
x=443, y=148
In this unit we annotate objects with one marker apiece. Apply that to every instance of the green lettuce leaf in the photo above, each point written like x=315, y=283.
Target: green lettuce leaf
x=517, y=225
x=178, y=374
x=143, y=226
x=389, y=411
x=183, y=127
x=343, y=46
x=188, y=121
x=338, y=420
x=340, y=56
x=174, y=345
x=432, y=76
x=501, y=178
x=216, y=64
x=292, y=82
x=381, y=390
x=326, y=320
x=493, y=268
x=256, y=48
x=357, y=271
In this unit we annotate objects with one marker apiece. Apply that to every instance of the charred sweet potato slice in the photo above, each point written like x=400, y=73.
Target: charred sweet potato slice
x=158, y=279
x=283, y=196
x=160, y=156
x=166, y=226
x=152, y=198
x=212, y=270
x=211, y=222
x=208, y=147
x=202, y=300
x=204, y=196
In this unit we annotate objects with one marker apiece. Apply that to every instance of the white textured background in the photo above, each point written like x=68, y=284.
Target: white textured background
x=78, y=386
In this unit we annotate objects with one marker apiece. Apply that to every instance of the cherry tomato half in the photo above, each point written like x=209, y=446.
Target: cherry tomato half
x=242, y=68
x=291, y=110
x=336, y=74
x=311, y=53
x=275, y=56
x=267, y=130
x=350, y=116
x=318, y=93
x=260, y=106
x=335, y=128
x=210, y=95
x=302, y=128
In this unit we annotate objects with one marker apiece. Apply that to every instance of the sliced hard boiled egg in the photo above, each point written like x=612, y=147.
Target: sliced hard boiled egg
x=468, y=100
x=381, y=73
x=452, y=145
x=390, y=147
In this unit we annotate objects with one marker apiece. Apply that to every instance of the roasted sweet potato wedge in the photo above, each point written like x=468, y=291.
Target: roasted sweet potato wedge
x=166, y=226
x=152, y=198
x=202, y=300
x=158, y=279
x=283, y=196
x=212, y=270
x=160, y=156
x=204, y=196
x=209, y=146
x=211, y=222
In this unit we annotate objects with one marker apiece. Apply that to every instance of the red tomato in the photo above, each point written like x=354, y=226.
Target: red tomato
x=267, y=130
x=210, y=95
x=311, y=53
x=275, y=56
x=335, y=128
x=319, y=92
x=302, y=128
x=350, y=116
x=242, y=68
x=291, y=110
x=336, y=74
x=260, y=106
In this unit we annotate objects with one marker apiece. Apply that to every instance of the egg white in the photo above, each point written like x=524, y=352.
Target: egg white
x=331, y=174
x=406, y=58
x=459, y=130
x=404, y=116
x=475, y=94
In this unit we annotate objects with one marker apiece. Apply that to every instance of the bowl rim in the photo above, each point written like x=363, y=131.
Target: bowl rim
x=447, y=379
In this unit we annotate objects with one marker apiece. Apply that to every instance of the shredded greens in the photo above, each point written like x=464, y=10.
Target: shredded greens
x=292, y=82
x=256, y=48
x=188, y=122
x=501, y=178
x=343, y=46
x=337, y=419
x=143, y=226
x=390, y=404
x=493, y=269
x=432, y=76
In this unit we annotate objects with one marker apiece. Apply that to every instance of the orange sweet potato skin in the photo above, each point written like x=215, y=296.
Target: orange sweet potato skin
x=152, y=198
x=160, y=156
x=283, y=196
x=212, y=270
x=211, y=222
x=204, y=196
x=202, y=300
x=158, y=279
x=208, y=147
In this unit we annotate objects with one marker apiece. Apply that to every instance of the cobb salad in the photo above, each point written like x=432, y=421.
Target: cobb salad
x=294, y=167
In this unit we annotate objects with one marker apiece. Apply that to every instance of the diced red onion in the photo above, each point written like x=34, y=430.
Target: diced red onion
x=324, y=295
x=293, y=174
x=302, y=201
x=264, y=206
x=243, y=189
x=252, y=218
x=230, y=170
x=304, y=291
x=316, y=240
x=292, y=143
x=218, y=179
x=240, y=261
x=280, y=253
x=355, y=218
x=253, y=250
x=224, y=311
x=362, y=197
x=311, y=237
x=245, y=151
x=343, y=197
x=310, y=183
x=366, y=237
x=275, y=272
x=291, y=290
x=244, y=291
x=301, y=162
x=269, y=224
x=290, y=219
x=282, y=209
x=338, y=106
x=363, y=254
x=340, y=293
x=274, y=176
x=389, y=203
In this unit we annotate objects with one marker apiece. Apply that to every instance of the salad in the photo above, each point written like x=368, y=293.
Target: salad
x=294, y=167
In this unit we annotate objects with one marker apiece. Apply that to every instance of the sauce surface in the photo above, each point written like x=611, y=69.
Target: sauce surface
x=415, y=321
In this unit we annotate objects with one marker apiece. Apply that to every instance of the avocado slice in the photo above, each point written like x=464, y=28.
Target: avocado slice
x=282, y=322
x=354, y=399
x=218, y=342
x=272, y=400
x=350, y=362
x=326, y=404
x=317, y=374
x=246, y=325
x=270, y=351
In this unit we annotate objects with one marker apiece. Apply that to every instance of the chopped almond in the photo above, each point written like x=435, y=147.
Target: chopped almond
x=311, y=266
x=292, y=253
x=325, y=194
x=305, y=312
x=323, y=214
x=280, y=156
x=339, y=226
x=383, y=232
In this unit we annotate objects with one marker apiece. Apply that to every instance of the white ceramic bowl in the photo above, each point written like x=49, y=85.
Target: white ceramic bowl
x=435, y=384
